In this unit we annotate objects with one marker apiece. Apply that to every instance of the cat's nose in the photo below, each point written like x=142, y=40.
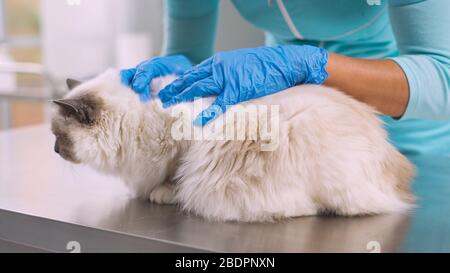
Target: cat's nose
x=56, y=147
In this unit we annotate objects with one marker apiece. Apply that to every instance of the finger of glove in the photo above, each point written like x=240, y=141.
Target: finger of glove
x=211, y=113
x=203, y=88
x=141, y=82
x=127, y=75
x=188, y=79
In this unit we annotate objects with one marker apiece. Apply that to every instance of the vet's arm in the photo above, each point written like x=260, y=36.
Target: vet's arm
x=190, y=28
x=417, y=83
x=380, y=83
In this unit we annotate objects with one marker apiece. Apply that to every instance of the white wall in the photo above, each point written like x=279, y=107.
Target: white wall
x=82, y=40
x=76, y=39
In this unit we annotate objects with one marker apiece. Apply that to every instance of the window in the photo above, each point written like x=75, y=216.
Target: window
x=20, y=42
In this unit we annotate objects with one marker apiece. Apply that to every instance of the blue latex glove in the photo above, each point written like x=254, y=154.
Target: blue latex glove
x=139, y=78
x=246, y=74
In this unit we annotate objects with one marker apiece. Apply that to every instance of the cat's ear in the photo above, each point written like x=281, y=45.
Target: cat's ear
x=81, y=109
x=71, y=83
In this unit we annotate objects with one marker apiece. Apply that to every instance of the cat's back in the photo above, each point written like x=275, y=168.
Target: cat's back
x=325, y=109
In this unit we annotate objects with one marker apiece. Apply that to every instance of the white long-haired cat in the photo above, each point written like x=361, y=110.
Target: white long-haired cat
x=331, y=155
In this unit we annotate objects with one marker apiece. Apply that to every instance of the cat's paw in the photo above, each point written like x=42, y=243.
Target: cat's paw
x=163, y=194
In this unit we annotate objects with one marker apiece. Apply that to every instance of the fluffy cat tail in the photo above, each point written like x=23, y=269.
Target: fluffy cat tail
x=402, y=171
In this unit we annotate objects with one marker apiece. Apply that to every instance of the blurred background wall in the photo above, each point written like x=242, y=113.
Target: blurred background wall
x=96, y=34
x=20, y=41
x=80, y=38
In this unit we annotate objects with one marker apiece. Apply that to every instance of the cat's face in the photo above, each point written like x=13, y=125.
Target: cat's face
x=103, y=124
x=77, y=114
x=88, y=122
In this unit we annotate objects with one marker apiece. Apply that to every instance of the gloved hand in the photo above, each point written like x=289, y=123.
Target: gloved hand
x=246, y=74
x=139, y=78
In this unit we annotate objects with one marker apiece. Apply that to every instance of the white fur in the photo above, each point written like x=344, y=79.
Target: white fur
x=333, y=155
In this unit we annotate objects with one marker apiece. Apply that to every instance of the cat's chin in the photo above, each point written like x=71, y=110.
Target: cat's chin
x=68, y=156
x=71, y=160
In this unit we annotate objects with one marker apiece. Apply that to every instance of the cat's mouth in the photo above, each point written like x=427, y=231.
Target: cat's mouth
x=63, y=151
x=57, y=149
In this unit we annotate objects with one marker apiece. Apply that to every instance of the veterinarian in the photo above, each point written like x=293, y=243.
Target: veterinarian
x=391, y=54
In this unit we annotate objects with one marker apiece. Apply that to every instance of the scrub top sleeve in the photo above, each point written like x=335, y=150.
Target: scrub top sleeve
x=190, y=28
x=422, y=32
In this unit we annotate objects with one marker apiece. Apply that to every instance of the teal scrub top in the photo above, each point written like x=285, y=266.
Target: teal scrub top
x=414, y=33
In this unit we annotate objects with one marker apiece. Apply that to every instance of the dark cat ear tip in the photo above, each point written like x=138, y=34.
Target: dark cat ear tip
x=58, y=102
x=65, y=103
x=71, y=83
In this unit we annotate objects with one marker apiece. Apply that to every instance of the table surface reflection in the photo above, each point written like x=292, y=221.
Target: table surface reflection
x=35, y=181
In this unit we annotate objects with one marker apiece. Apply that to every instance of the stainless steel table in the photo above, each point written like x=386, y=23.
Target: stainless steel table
x=49, y=205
